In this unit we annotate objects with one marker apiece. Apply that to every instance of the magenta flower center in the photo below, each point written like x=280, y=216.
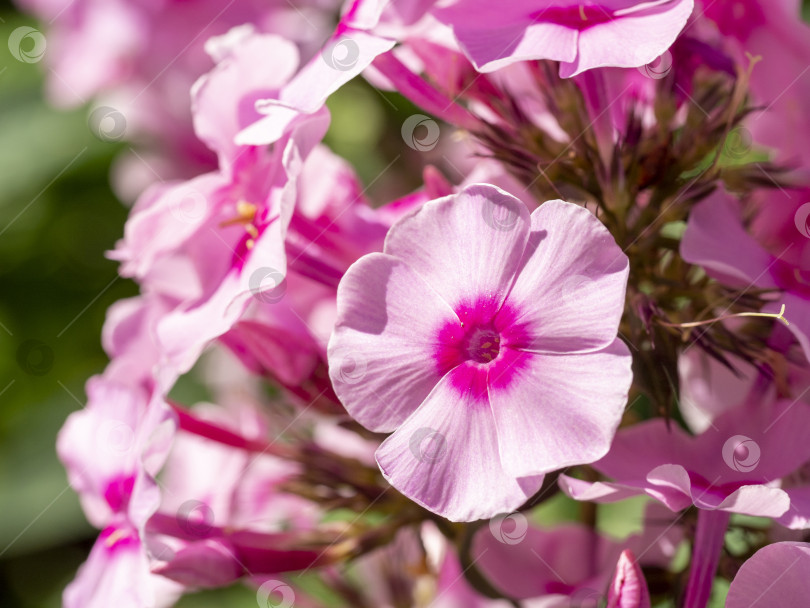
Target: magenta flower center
x=483, y=344
x=576, y=17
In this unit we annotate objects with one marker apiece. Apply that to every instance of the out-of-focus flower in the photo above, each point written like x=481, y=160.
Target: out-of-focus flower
x=774, y=37
x=221, y=234
x=735, y=465
x=775, y=576
x=140, y=59
x=554, y=565
x=571, y=564
x=112, y=450
x=470, y=352
x=717, y=240
x=580, y=35
x=223, y=516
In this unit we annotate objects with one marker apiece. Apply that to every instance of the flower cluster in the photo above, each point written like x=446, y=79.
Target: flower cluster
x=600, y=289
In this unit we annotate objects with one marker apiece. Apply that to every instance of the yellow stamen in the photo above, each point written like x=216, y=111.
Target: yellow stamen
x=114, y=538
x=771, y=315
x=582, y=12
x=246, y=210
x=245, y=213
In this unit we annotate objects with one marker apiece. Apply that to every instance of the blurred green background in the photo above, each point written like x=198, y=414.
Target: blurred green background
x=57, y=217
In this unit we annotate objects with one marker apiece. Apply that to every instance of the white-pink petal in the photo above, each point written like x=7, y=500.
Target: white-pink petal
x=445, y=456
x=465, y=246
x=565, y=407
x=571, y=284
x=381, y=353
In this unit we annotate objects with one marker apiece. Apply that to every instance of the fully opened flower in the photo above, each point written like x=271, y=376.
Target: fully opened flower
x=485, y=339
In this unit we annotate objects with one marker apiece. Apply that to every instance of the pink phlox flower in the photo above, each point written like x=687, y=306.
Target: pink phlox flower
x=478, y=331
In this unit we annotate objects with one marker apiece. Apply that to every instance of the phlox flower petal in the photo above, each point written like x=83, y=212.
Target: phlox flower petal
x=449, y=338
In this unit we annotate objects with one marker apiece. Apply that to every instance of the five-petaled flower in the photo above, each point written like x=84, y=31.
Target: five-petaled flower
x=492, y=333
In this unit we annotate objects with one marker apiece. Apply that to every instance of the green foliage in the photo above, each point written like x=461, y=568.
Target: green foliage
x=57, y=217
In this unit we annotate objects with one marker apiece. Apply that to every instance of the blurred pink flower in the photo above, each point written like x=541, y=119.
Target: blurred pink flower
x=570, y=564
x=552, y=566
x=478, y=331
x=774, y=33
x=211, y=243
x=734, y=466
x=222, y=516
x=776, y=576
x=717, y=239
x=580, y=35
x=140, y=59
x=112, y=450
